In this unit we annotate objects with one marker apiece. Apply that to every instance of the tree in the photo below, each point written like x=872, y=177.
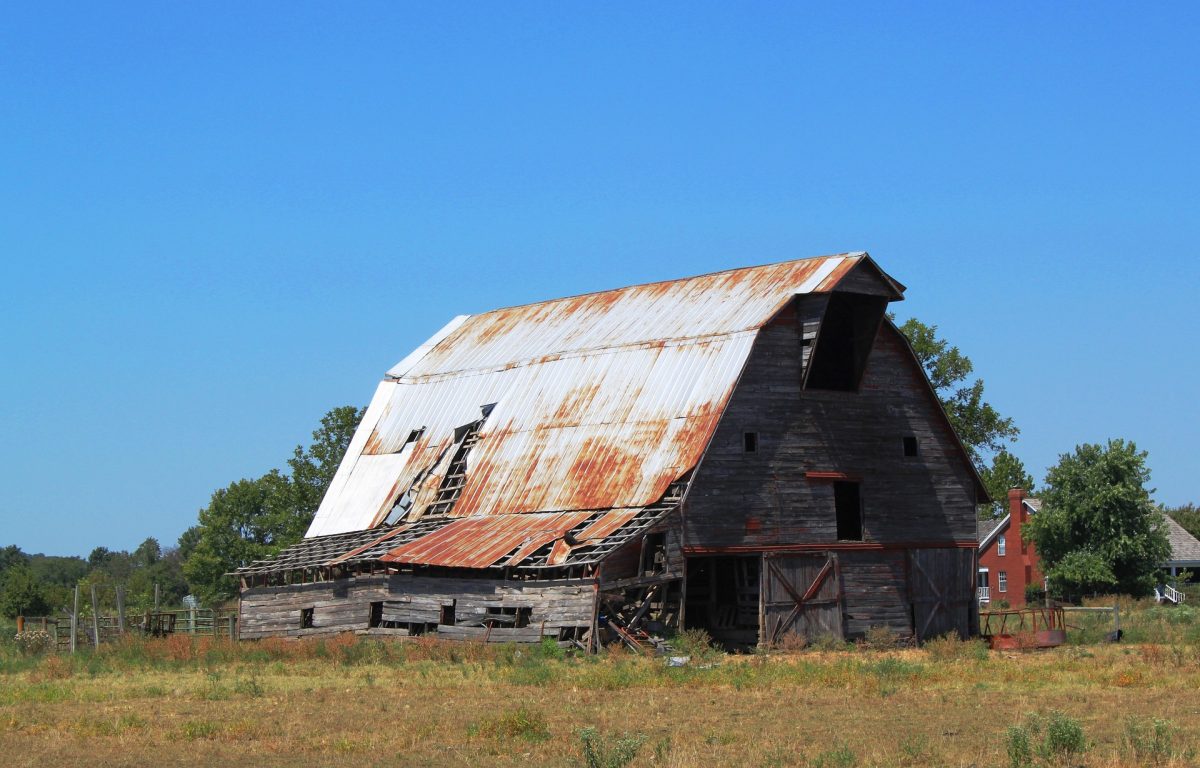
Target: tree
x=1098, y=529
x=253, y=519
x=313, y=469
x=1006, y=471
x=978, y=424
x=21, y=594
x=11, y=556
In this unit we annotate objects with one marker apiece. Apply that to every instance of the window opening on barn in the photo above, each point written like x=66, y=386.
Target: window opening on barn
x=844, y=341
x=749, y=442
x=447, y=614
x=1000, y=546
x=654, y=553
x=306, y=618
x=1002, y=581
x=376, y=617
x=910, y=446
x=507, y=616
x=847, y=503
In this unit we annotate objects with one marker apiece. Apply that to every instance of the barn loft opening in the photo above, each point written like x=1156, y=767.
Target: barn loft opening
x=749, y=442
x=847, y=504
x=306, y=618
x=910, y=446
x=844, y=341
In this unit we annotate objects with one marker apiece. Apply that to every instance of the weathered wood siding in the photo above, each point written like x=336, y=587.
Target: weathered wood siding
x=764, y=499
x=345, y=605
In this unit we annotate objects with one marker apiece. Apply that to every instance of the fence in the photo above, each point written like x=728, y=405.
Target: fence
x=68, y=633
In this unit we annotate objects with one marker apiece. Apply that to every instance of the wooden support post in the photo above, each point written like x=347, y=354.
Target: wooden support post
x=192, y=622
x=75, y=619
x=156, y=596
x=20, y=624
x=95, y=620
x=121, y=610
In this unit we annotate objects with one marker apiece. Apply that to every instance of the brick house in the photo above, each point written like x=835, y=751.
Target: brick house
x=1007, y=565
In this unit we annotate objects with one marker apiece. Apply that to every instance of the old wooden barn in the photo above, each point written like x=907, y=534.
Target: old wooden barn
x=754, y=452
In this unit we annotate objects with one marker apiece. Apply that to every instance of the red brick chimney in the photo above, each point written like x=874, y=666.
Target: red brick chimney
x=1016, y=511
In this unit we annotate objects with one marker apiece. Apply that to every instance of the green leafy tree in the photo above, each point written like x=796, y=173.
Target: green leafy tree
x=11, y=556
x=981, y=428
x=253, y=519
x=313, y=468
x=1006, y=471
x=1098, y=529
x=21, y=594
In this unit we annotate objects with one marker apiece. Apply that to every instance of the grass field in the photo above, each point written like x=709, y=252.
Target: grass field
x=345, y=701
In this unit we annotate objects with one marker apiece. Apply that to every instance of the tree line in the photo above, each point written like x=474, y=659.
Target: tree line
x=1098, y=529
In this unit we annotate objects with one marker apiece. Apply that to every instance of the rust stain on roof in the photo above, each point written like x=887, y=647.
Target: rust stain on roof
x=483, y=541
x=600, y=400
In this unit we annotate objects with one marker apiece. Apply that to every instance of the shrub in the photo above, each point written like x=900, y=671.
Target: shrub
x=521, y=723
x=881, y=638
x=1149, y=741
x=1020, y=751
x=33, y=642
x=697, y=644
x=600, y=751
x=791, y=642
x=949, y=647
x=1055, y=739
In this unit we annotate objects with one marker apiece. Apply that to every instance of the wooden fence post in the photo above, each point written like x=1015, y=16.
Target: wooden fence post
x=95, y=619
x=75, y=619
x=121, y=610
x=156, y=597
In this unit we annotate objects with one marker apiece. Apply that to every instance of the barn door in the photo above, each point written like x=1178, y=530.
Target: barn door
x=801, y=594
x=941, y=583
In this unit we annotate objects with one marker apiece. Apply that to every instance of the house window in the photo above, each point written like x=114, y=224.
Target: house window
x=847, y=504
x=1000, y=546
x=306, y=618
x=1002, y=581
x=749, y=442
x=910, y=446
x=983, y=579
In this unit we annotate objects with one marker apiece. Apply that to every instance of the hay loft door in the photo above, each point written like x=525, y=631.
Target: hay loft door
x=801, y=594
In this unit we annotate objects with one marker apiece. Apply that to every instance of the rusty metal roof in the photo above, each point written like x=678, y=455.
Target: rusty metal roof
x=600, y=402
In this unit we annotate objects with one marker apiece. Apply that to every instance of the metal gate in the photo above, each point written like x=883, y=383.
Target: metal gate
x=941, y=585
x=801, y=594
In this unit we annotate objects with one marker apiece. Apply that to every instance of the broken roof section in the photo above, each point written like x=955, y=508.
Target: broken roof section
x=593, y=402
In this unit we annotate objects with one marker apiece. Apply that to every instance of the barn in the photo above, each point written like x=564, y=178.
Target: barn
x=755, y=452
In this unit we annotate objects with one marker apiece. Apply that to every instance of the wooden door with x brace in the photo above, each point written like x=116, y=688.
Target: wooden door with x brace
x=801, y=594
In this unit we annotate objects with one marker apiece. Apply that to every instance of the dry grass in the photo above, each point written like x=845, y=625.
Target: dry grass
x=179, y=701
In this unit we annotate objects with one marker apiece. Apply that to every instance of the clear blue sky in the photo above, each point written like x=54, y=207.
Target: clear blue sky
x=220, y=220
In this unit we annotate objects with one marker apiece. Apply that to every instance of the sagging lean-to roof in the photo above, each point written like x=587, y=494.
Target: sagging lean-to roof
x=511, y=432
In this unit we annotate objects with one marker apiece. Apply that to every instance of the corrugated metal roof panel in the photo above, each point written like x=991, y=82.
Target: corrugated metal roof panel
x=601, y=401
x=480, y=542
